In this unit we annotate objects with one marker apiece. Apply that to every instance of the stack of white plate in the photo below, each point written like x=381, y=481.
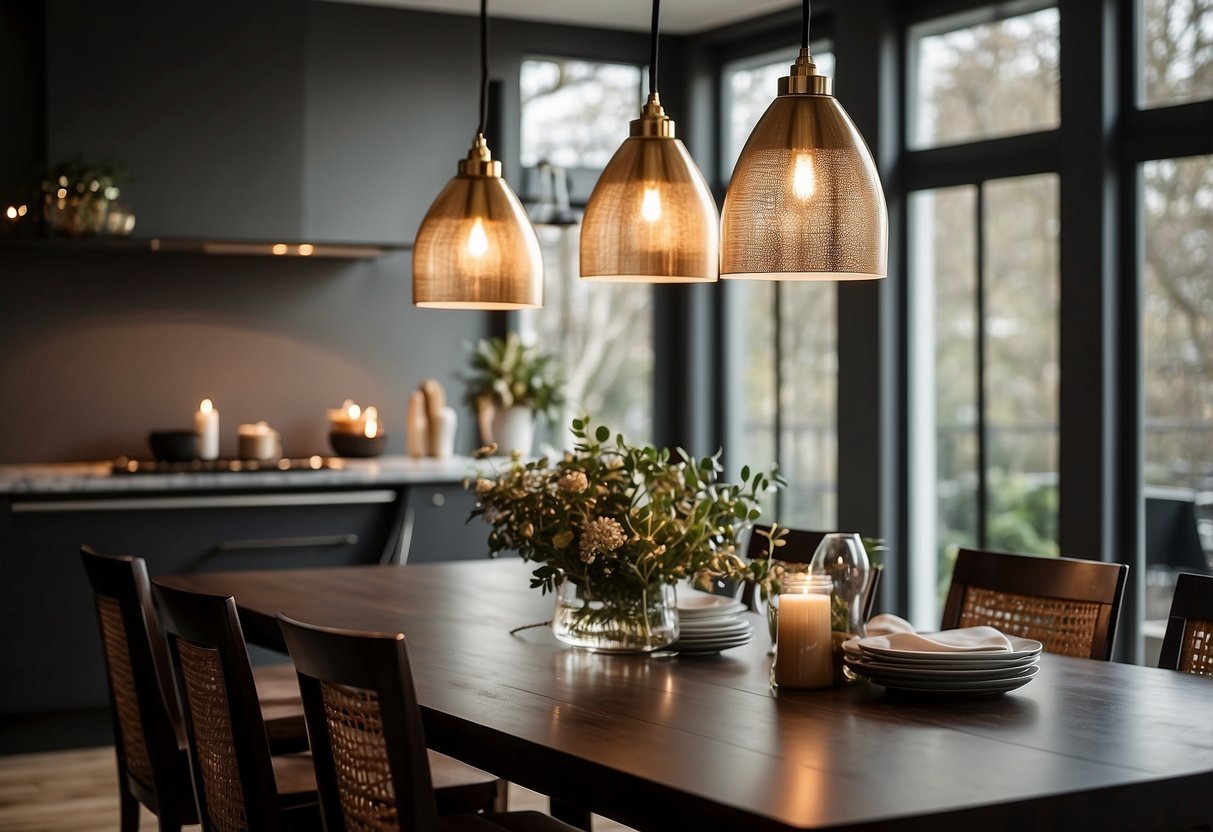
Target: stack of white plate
x=710, y=623
x=975, y=672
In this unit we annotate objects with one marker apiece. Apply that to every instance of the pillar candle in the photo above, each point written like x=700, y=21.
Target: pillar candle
x=804, y=651
x=206, y=425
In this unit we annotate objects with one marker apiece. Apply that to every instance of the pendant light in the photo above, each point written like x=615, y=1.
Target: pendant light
x=476, y=248
x=651, y=217
x=805, y=201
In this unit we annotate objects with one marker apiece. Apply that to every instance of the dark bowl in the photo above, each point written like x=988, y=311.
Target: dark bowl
x=356, y=445
x=173, y=445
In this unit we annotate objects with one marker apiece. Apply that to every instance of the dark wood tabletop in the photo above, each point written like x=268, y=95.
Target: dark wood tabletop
x=701, y=742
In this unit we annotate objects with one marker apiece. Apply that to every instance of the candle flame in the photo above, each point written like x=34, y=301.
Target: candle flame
x=372, y=429
x=206, y=406
x=478, y=241
x=804, y=180
x=650, y=208
x=353, y=411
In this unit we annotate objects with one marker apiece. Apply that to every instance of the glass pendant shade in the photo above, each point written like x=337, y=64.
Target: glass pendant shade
x=476, y=248
x=805, y=201
x=651, y=217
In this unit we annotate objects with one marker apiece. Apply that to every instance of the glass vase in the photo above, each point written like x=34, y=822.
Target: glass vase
x=614, y=619
x=844, y=560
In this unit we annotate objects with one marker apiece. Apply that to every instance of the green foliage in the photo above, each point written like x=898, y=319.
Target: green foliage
x=613, y=515
x=78, y=177
x=507, y=372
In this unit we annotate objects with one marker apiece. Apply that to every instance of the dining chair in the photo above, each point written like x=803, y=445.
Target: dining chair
x=238, y=783
x=799, y=547
x=369, y=744
x=1069, y=605
x=153, y=768
x=1188, y=643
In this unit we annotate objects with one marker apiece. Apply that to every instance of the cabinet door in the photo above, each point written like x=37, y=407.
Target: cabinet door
x=441, y=532
x=49, y=641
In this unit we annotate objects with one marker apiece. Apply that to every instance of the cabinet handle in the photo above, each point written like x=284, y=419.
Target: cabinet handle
x=285, y=543
x=326, y=498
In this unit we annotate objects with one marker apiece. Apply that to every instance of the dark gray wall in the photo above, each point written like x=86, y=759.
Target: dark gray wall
x=267, y=120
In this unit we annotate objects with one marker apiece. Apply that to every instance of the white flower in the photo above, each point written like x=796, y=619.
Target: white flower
x=483, y=486
x=602, y=536
x=574, y=482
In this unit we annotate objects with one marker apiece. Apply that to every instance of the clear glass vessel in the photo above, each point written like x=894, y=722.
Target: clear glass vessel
x=616, y=619
x=844, y=560
x=803, y=646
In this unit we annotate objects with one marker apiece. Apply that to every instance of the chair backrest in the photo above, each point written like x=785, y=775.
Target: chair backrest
x=143, y=703
x=365, y=727
x=799, y=547
x=1069, y=605
x=1188, y=643
x=229, y=753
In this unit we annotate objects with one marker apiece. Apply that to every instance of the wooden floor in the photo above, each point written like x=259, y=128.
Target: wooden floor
x=76, y=791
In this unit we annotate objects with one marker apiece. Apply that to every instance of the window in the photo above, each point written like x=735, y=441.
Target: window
x=981, y=81
x=575, y=114
x=985, y=281
x=1175, y=51
x=782, y=405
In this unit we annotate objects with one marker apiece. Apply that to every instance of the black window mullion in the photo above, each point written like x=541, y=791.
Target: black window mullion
x=776, y=311
x=979, y=296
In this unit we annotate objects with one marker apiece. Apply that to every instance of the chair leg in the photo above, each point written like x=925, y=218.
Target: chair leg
x=501, y=799
x=169, y=824
x=128, y=806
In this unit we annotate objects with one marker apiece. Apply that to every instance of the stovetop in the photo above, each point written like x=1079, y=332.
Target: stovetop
x=124, y=465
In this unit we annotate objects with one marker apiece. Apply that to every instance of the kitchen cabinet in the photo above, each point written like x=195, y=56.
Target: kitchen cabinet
x=439, y=531
x=49, y=637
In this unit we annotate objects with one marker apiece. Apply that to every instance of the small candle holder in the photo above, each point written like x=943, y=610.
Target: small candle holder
x=173, y=445
x=357, y=445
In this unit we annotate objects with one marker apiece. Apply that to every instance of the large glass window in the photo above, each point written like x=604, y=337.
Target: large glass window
x=1176, y=277
x=979, y=78
x=782, y=406
x=1175, y=49
x=984, y=278
x=575, y=114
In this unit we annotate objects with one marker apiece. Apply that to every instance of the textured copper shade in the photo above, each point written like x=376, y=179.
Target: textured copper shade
x=805, y=201
x=651, y=217
x=476, y=248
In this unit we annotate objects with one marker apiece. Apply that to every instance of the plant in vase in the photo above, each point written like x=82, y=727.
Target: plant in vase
x=613, y=527
x=80, y=199
x=508, y=383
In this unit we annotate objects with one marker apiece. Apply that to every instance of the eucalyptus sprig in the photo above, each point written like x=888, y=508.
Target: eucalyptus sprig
x=621, y=517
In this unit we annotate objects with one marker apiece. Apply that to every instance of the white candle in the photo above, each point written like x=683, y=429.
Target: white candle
x=804, y=650
x=258, y=441
x=206, y=425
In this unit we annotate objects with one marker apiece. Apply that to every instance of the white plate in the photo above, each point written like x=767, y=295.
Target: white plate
x=879, y=671
x=721, y=627
x=707, y=646
x=960, y=688
x=685, y=636
x=1020, y=648
x=703, y=604
x=928, y=664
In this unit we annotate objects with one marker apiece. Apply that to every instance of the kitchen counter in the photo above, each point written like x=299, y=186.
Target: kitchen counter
x=97, y=477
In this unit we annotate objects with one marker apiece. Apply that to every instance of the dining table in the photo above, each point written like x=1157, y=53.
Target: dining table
x=701, y=741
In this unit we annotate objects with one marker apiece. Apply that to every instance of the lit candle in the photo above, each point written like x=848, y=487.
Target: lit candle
x=206, y=425
x=346, y=419
x=258, y=441
x=804, y=650
x=371, y=420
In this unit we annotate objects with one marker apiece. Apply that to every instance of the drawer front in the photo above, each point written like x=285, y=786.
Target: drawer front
x=440, y=531
x=49, y=639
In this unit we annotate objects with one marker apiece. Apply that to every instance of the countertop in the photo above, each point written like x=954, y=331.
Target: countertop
x=97, y=477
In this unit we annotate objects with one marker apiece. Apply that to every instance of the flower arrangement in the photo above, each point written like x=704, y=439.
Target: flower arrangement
x=620, y=521
x=505, y=372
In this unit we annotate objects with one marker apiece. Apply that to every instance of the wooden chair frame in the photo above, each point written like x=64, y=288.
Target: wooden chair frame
x=1191, y=614
x=1060, y=579
x=169, y=794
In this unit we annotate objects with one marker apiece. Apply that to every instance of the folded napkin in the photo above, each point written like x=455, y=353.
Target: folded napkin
x=886, y=624
x=964, y=640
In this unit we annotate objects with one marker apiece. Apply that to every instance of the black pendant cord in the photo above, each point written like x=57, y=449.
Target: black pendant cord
x=484, y=65
x=804, y=34
x=653, y=49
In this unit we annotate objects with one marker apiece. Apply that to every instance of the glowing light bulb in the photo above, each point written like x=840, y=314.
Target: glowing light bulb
x=478, y=241
x=650, y=208
x=804, y=181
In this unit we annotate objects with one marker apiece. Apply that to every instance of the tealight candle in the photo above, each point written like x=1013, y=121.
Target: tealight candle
x=348, y=418
x=206, y=425
x=804, y=649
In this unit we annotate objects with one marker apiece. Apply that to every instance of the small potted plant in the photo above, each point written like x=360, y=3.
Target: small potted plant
x=80, y=199
x=508, y=384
